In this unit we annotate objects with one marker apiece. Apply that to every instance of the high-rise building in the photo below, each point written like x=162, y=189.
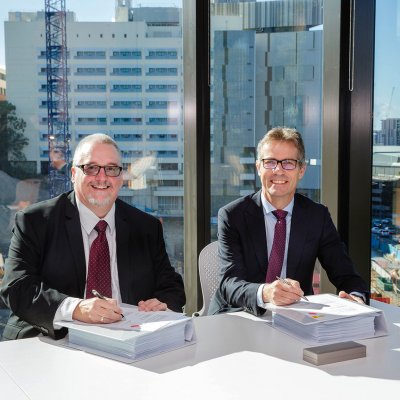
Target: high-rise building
x=390, y=132
x=124, y=79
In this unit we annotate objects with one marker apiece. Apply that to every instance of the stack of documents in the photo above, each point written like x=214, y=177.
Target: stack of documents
x=327, y=318
x=140, y=335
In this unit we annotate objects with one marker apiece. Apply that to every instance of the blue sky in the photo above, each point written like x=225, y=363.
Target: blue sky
x=387, y=62
x=85, y=10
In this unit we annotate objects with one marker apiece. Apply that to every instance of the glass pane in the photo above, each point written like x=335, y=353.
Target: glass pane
x=266, y=71
x=124, y=79
x=385, y=231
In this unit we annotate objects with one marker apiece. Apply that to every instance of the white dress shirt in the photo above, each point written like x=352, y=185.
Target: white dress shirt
x=88, y=222
x=270, y=221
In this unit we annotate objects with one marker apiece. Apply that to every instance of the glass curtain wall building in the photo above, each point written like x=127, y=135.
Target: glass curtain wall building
x=266, y=71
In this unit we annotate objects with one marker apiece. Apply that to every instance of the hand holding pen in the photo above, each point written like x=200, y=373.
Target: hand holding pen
x=93, y=311
x=100, y=296
x=288, y=283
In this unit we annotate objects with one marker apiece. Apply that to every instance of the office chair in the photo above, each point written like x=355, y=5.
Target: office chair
x=209, y=275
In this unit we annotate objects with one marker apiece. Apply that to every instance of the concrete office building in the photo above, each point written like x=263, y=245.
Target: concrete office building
x=125, y=79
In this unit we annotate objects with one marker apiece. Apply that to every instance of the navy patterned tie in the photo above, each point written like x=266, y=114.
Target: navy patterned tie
x=99, y=272
x=278, y=247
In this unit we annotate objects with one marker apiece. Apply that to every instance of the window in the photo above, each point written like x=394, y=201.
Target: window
x=385, y=216
x=162, y=54
x=91, y=87
x=167, y=166
x=91, y=104
x=127, y=104
x=256, y=53
x=127, y=121
x=126, y=88
x=162, y=88
x=90, y=54
x=127, y=71
x=90, y=71
x=135, y=54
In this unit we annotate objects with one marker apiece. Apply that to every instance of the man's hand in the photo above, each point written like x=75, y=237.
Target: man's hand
x=95, y=311
x=152, y=305
x=347, y=296
x=281, y=294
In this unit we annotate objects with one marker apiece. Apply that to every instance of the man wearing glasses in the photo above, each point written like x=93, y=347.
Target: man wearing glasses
x=82, y=244
x=269, y=241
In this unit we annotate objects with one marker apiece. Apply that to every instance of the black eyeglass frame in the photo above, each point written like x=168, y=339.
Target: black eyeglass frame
x=82, y=167
x=281, y=162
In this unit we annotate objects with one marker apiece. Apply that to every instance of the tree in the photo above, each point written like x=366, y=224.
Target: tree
x=12, y=139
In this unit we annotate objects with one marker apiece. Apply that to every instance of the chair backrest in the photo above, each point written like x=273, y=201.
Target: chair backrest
x=209, y=274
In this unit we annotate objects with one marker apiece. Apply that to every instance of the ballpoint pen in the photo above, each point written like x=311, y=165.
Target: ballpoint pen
x=100, y=296
x=288, y=283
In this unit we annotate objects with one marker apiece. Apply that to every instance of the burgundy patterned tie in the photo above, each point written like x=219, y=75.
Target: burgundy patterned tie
x=278, y=247
x=99, y=272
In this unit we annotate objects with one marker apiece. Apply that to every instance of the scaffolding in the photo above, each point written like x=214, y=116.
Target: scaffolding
x=57, y=97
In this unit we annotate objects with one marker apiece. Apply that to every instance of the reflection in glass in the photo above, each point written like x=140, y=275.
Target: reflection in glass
x=266, y=71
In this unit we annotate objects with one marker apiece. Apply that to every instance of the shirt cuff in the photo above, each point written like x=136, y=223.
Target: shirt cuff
x=260, y=301
x=65, y=310
x=361, y=295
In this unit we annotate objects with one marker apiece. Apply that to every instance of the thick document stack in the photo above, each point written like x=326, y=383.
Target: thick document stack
x=139, y=335
x=331, y=353
x=327, y=318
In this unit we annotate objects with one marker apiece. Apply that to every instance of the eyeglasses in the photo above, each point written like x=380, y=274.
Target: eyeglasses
x=93, y=170
x=272, y=163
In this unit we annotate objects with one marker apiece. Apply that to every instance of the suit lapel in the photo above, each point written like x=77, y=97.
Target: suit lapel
x=254, y=216
x=74, y=234
x=297, y=235
x=122, y=239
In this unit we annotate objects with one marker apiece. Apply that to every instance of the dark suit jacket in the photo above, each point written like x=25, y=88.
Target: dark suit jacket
x=244, y=257
x=46, y=264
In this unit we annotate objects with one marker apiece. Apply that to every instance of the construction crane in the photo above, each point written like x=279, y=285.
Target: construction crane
x=390, y=103
x=57, y=97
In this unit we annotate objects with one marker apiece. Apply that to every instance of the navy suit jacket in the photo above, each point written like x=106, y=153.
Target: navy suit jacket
x=244, y=256
x=46, y=263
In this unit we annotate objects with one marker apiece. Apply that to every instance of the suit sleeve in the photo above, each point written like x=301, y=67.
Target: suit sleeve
x=23, y=289
x=235, y=286
x=334, y=258
x=169, y=284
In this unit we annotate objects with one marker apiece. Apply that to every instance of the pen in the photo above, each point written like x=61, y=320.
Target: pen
x=288, y=283
x=100, y=296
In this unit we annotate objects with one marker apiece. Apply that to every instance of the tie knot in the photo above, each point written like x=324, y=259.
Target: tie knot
x=101, y=226
x=280, y=215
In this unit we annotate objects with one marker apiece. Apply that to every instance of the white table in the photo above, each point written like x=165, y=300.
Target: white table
x=234, y=358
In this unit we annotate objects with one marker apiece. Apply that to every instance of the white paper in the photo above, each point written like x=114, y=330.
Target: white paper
x=327, y=318
x=141, y=334
x=322, y=308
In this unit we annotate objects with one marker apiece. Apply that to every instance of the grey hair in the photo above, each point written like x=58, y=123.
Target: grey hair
x=100, y=138
x=283, y=134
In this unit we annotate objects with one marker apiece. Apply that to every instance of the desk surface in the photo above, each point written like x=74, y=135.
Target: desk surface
x=234, y=358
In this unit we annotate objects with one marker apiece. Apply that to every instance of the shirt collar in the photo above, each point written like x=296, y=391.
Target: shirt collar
x=89, y=219
x=268, y=207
